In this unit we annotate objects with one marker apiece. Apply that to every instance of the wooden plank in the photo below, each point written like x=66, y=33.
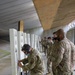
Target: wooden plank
x=21, y=26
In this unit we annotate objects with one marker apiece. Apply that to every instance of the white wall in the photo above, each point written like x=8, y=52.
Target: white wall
x=68, y=31
x=37, y=31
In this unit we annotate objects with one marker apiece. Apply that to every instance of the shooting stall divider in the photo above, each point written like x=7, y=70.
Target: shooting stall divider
x=14, y=51
x=32, y=40
x=20, y=44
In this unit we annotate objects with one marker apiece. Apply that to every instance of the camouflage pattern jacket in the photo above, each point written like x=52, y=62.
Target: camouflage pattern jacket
x=49, y=48
x=44, y=43
x=34, y=63
x=72, y=54
x=61, y=57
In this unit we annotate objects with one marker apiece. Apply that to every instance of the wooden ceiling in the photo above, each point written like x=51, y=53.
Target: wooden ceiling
x=54, y=13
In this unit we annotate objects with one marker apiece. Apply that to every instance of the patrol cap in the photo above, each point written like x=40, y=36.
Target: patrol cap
x=26, y=47
x=60, y=32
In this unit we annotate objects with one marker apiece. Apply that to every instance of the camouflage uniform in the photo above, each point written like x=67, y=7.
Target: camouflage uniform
x=44, y=45
x=49, y=63
x=72, y=55
x=34, y=63
x=61, y=57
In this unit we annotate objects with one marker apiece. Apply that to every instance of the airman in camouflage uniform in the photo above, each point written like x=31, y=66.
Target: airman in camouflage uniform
x=41, y=42
x=61, y=55
x=49, y=48
x=72, y=56
x=33, y=62
x=55, y=37
x=44, y=45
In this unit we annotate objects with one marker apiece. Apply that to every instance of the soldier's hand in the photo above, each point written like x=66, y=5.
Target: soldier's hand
x=19, y=60
x=19, y=64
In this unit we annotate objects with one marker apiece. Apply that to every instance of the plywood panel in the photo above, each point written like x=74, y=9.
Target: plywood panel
x=46, y=10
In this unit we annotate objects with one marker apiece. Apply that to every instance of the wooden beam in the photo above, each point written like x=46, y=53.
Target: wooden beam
x=21, y=26
x=46, y=10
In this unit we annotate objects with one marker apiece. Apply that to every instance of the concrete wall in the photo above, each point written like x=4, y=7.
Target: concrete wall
x=70, y=35
x=37, y=31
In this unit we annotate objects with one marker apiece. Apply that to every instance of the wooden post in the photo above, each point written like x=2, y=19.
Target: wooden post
x=21, y=26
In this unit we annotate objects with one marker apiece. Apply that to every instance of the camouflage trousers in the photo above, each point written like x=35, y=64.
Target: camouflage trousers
x=49, y=66
x=58, y=71
x=45, y=51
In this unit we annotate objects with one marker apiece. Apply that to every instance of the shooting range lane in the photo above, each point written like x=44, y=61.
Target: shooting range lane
x=17, y=39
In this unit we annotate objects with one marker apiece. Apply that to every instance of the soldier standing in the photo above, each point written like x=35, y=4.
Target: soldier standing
x=41, y=42
x=55, y=37
x=33, y=62
x=72, y=56
x=44, y=45
x=49, y=47
x=61, y=55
